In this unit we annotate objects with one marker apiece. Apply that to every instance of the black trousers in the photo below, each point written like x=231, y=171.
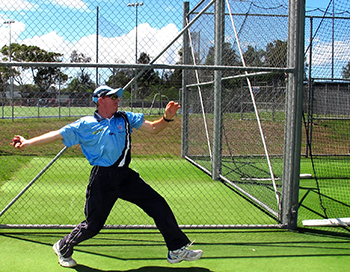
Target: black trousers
x=106, y=185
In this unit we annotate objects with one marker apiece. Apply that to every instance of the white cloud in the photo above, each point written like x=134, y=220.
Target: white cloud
x=111, y=50
x=19, y=5
x=51, y=42
x=16, y=29
x=322, y=52
x=74, y=4
x=150, y=40
x=322, y=58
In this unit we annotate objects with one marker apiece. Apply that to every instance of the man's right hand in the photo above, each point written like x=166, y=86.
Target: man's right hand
x=17, y=141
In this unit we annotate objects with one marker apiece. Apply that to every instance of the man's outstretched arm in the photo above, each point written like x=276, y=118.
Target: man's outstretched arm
x=20, y=142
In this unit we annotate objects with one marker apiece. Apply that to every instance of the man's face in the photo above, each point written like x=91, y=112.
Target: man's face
x=109, y=103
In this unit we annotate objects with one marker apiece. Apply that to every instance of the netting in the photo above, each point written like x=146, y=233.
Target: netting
x=252, y=108
x=326, y=113
x=54, y=57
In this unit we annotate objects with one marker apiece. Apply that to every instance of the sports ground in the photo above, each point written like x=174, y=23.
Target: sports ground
x=317, y=249
x=144, y=250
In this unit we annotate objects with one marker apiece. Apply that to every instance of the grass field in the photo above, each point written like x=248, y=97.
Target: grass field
x=164, y=148
x=144, y=251
x=58, y=198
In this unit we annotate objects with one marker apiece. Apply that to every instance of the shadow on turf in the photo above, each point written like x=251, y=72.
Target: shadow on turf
x=83, y=268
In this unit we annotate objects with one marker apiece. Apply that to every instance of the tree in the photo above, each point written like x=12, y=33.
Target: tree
x=47, y=76
x=346, y=71
x=83, y=80
x=44, y=77
x=254, y=57
x=6, y=71
x=229, y=58
x=148, y=78
x=4, y=77
x=119, y=78
x=174, y=78
x=276, y=54
x=79, y=57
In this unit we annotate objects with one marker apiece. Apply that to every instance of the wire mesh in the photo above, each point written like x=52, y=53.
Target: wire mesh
x=99, y=43
x=85, y=36
x=252, y=40
x=326, y=113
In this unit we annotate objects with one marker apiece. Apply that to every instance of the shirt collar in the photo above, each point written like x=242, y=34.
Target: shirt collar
x=99, y=118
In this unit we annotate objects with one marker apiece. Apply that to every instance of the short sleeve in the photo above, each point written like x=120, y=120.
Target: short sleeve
x=135, y=119
x=68, y=132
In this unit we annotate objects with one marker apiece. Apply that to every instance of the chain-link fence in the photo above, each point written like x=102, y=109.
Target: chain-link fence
x=252, y=108
x=326, y=112
x=83, y=34
x=54, y=56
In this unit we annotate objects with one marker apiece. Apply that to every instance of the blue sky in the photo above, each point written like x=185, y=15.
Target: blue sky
x=311, y=4
x=28, y=14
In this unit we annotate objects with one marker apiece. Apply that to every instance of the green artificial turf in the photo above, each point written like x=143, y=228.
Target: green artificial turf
x=57, y=197
x=60, y=195
x=144, y=250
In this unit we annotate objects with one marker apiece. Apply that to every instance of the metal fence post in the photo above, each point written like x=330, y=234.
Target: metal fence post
x=219, y=40
x=185, y=59
x=294, y=103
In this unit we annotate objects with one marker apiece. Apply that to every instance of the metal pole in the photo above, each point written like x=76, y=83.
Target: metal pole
x=217, y=134
x=309, y=90
x=184, y=106
x=11, y=73
x=136, y=5
x=333, y=29
x=9, y=23
x=136, y=86
x=59, y=95
x=293, y=125
x=311, y=96
x=97, y=33
x=136, y=13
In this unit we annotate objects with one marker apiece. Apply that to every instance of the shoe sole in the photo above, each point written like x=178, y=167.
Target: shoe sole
x=174, y=261
x=179, y=261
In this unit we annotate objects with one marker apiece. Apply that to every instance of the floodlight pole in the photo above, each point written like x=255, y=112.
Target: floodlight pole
x=136, y=5
x=9, y=22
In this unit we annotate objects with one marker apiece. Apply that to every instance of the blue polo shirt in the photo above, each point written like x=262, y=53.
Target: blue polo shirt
x=102, y=140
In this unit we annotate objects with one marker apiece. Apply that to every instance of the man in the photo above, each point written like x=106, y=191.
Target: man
x=105, y=141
